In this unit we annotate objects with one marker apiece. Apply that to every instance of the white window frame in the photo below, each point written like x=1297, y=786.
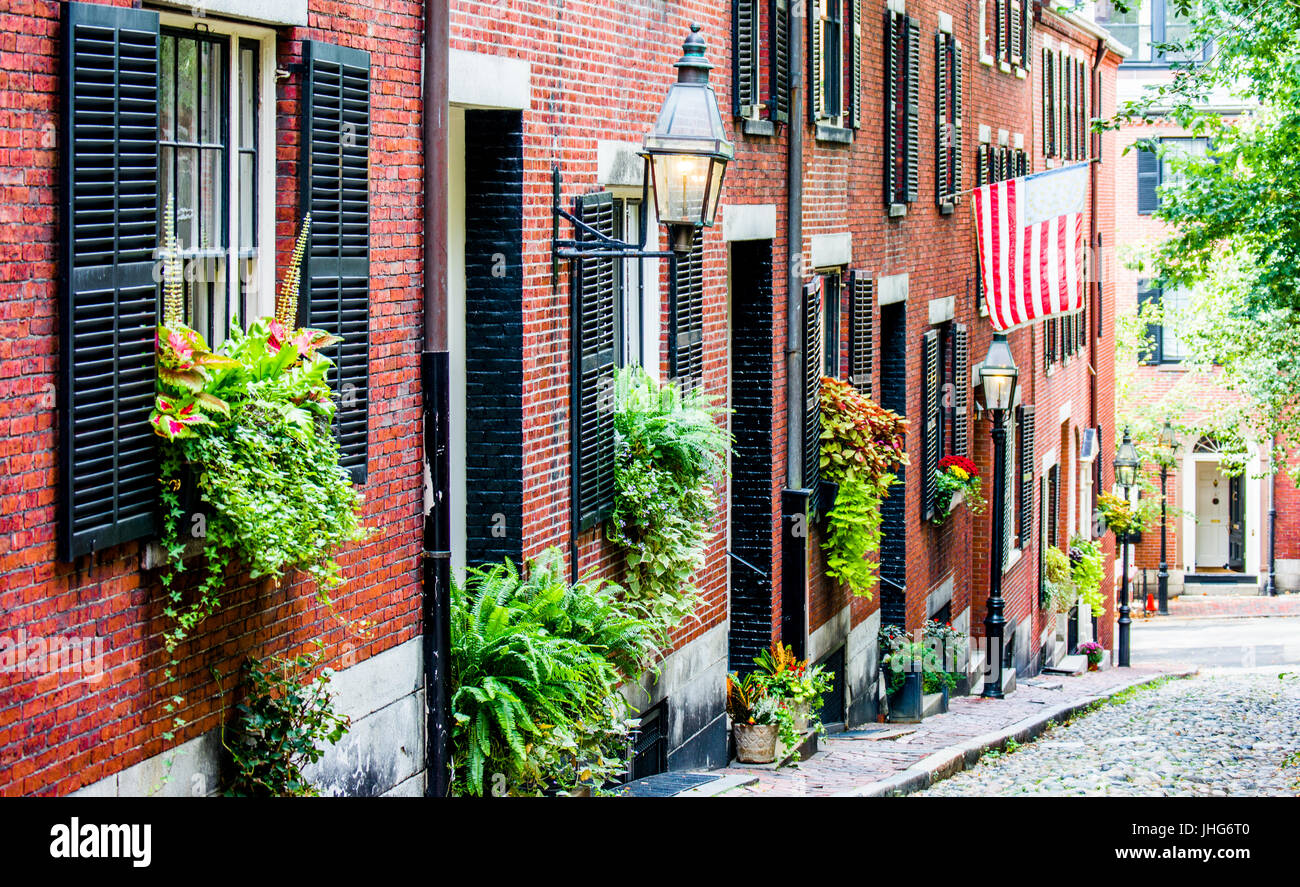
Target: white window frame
x=261, y=288
x=640, y=324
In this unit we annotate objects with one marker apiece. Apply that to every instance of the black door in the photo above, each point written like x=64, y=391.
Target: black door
x=1236, y=525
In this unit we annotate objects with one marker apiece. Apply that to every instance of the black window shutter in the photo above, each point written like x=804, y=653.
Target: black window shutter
x=686, y=306
x=109, y=299
x=594, y=283
x=1153, y=352
x=812, y=380
x=930, y=402
x=816, y=86
x=1026, y=32
x=1014, y=38
x=1000, y=16
x=334, y=178
x=1067, y=335
x=745, y=59
x=954, y=151
x=891, y=109
x=1026, y=473
x=779, y=75
x=960, y=390
x=982, y=165
x=913, y=109
x=1008, y=496
x=1049, y=131
x=862, y=342
x=942, y=166
x=855, y=63
x=1148, y=179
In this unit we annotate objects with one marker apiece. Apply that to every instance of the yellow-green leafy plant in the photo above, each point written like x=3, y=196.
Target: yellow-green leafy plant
x=862, y=446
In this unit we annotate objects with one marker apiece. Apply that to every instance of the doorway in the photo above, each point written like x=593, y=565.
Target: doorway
x=893, y=513
x=1219, y=519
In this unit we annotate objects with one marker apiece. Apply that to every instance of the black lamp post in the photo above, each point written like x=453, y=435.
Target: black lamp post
x=1165, y=447
x=998, y=376
x=1126, y=469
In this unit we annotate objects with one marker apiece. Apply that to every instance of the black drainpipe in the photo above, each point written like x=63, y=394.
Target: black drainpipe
x=435, y=381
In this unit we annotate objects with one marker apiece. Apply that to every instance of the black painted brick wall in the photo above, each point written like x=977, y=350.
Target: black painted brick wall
x=494, y=335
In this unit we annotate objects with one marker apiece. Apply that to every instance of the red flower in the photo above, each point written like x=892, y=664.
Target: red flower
x=961, y=462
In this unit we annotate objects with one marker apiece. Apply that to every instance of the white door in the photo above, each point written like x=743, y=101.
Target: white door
x=1211, y=516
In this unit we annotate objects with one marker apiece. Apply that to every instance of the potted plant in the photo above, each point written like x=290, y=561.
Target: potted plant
x=953, y=650
x=799, y=686
x=1093, y=651
x=755, y=719
x=956, y=476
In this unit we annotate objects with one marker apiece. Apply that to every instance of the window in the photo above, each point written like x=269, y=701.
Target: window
x=1158, y=168
x=948, y=100
x=1144, y=27
x=1163, y=344
x=831, y=296
x=902, y=84
x=636, y=314
x=761, y=91
x=945, y=356
x=1011, y=25
x=211, y=163
x=834, y=62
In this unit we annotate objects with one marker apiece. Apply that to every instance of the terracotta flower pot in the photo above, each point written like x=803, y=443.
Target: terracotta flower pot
x=755, y=743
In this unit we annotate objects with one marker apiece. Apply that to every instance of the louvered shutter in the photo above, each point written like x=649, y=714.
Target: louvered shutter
x=961, y=390
x=1148, y=179
x=812, y=382
x=1008, y=494
x=954, y=151
x=779, y=105
x=745, y=59
x=1154, y=351
x=594, y=284
x=862, y=342
x=1000, y=15
x=686, y=362
x=1026, y=472
x=1014, y=40
x=1026, y=32
x=891, y=108
x=1067, y=335
x=942, y=190
x=816, y=73
x=855, y=62
x=982, y=165
x=1049, y=131
x=335, y=188
x=1022, y=162
x=930, y=402
x=913, y=109
x=109, y=298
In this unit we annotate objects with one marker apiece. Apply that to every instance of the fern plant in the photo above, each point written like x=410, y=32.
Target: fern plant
x=535, y=670
x=670, y=452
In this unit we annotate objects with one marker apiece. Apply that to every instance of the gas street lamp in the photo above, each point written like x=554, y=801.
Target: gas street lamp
x=686, y=155
x=1126, y=468
x=1165, y=448
x=998, y=375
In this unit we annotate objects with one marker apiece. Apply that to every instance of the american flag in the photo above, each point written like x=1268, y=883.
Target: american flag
x=1029, y=232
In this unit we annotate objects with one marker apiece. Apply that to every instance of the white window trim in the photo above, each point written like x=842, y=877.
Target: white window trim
x=262, y=287
x=648, y=270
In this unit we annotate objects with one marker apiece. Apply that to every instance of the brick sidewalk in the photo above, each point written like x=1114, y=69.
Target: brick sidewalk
x=1227, y=606
x=845, y=764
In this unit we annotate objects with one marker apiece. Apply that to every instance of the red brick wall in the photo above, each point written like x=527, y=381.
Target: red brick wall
x=57, y=735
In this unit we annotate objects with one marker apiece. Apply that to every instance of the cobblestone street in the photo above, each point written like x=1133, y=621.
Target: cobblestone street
x=1215, y=734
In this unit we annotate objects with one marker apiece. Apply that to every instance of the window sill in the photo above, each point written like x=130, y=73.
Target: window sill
x=897, y=210
x=1004, y=67
x=1012, y=559
x=753, y=126
x=836, y=135
x=947, y=208
x=152, y=556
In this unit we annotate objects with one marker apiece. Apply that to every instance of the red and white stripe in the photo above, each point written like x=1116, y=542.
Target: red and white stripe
x=1030, y=272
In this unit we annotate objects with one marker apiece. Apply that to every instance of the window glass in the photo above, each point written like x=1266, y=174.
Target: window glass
x=831, y=325
x=1131, y=27
x=1175, y=149
x=1175, y=300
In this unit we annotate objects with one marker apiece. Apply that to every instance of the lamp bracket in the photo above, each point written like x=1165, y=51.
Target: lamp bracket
x=597, y=245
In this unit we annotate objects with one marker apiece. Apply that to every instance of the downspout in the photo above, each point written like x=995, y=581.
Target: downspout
x=1094, y=237
x=435, y=379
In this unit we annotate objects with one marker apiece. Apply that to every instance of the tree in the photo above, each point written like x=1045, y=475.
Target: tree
x=1235, y=215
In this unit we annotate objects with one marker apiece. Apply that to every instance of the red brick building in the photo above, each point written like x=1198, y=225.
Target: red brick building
x=844, y=246
x=77, y=551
